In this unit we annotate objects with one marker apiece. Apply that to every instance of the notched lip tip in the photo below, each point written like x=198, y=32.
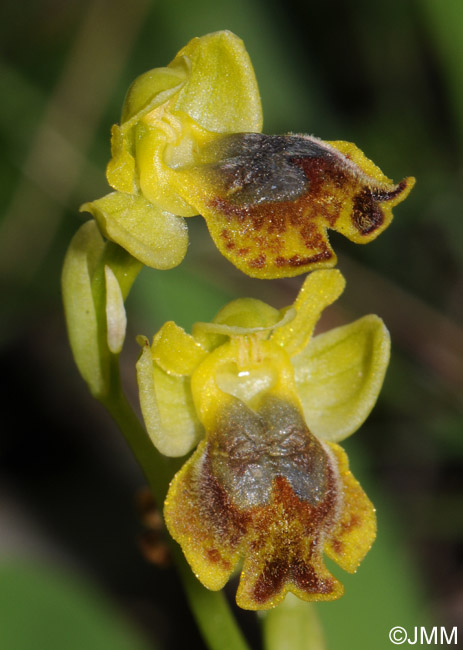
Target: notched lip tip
x=397, y=193
x=403, y=189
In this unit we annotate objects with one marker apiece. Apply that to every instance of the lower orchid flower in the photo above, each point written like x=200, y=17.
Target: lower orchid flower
x=268, y=485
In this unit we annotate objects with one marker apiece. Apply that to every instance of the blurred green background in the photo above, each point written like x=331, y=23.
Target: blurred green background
x=386, y=75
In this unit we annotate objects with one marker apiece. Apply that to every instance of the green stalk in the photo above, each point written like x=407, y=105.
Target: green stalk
x=293, y=625
x=210, y=609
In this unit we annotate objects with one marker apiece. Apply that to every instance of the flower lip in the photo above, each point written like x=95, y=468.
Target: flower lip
x=269, y=199
x=253, y=168
x=263, y=488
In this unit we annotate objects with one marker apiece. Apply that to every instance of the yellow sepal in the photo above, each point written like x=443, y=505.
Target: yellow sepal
x=167, y=407
x=339, y=375
x=220, y=61
x=153, y=236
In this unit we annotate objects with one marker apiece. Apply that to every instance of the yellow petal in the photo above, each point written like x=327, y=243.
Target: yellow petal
x=319, y=290
x=339, y=375
x=120, y=171
x=248, y=313
x=155, y=237
x=167, y=407
x=175, y=351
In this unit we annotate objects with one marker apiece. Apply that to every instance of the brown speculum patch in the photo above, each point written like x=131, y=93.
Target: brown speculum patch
x=250, y=450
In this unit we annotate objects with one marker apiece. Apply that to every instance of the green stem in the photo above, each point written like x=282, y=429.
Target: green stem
x=157, y=469
x=210, y=609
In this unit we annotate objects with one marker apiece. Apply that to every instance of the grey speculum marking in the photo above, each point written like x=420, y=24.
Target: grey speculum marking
x=256, y=168
x=249, y=450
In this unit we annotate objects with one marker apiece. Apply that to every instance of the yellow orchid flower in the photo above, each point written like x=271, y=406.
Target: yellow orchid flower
x=267, y=402
x=189, y=143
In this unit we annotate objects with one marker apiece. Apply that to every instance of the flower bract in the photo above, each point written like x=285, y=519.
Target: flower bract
x=95, y=281
x=267, y=485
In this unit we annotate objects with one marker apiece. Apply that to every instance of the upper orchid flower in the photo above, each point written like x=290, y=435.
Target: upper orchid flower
x=189, y=143
x=267, y=403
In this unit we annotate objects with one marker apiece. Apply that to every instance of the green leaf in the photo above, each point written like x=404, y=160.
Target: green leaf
x=42, y=608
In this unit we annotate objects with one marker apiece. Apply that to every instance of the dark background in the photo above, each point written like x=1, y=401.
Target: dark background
x=386, y=75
